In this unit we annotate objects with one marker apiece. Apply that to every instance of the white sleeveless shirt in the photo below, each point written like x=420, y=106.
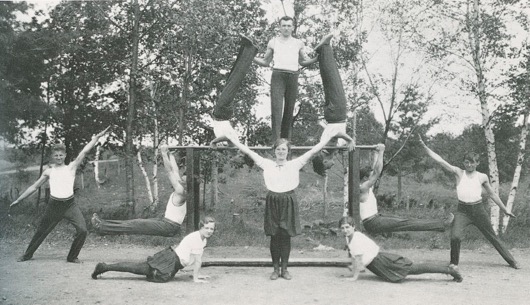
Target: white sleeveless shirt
x=285, y=56
x=62, y=182
x=469, y=189
x=175, y=213
x=368, y=208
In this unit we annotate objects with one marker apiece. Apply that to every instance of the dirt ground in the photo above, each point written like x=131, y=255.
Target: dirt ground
x=48, y=279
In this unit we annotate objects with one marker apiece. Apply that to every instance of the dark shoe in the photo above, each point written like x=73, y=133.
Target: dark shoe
x=455, y=273
x=286, y=275
x=95, y=221
x=23, y=258
x=515, y=265
x=245, y=40
x=275, y=275
x=325, y=40
x=448, y=221
x=74, y=261
x=100, y=268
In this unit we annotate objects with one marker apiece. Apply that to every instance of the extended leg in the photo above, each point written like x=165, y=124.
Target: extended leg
x=285, y=243
x=140, y=268
x=460, y=222
x=482, y=222
x=51, y=218
x=432, y=268
x=275, y=248
x=382, y=224
x=75, y=217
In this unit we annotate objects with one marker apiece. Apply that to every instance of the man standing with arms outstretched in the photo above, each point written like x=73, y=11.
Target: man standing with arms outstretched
x=62, y=203
x=286, y=54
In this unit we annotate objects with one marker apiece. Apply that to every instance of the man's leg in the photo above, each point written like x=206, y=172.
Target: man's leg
x=382, y=224
x=460, y=222
x=335, y=99
x=151, y=226
x=278, y=86
x=223, y=109
x=75, y=217
x=51, y=218
x=291, y=93
x=482, y=222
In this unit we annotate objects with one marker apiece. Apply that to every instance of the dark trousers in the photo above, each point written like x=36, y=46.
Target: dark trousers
x=284, y=90
x=55, y=212
x=477, y=215
x=335, y=99
x=384, y=224
x=223, y=109
x=151, y=226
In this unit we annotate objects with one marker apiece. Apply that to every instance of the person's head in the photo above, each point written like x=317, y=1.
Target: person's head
x=58, y=153
x=207, y=226
x=281, y=148
x=322, y=162
x=365, y=172
x=471, y=161
x=346, y=225
x=287, y=26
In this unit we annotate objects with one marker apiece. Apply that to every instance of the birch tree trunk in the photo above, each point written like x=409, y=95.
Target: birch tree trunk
x=154, y=205
x=131, y=112
x=96, y=167
x=146, y=177
x=214, y=192
x=475, y=46
x=517, y=173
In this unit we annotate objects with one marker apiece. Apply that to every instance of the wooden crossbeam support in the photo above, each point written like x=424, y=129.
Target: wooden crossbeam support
x=193, y=199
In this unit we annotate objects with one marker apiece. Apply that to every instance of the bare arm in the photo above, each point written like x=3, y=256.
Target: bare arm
x=265, y=61
x=172, y=169
x=244, y=149
x=87, y=148
x=305, y=60
x=377, y=167
x=30, y=190
x=487, y=185
x=197, y=263
x=356, y=266
x=345, y=136
x=318, y=147
x=448, y=167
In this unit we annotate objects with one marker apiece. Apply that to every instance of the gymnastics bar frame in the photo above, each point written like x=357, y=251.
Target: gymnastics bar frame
x=193, y=184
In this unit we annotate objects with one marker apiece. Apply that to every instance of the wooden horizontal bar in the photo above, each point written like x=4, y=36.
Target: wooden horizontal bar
x=266, y=262
x=362, y=147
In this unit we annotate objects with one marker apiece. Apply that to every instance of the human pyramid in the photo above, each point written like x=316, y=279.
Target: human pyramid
x=281, y=177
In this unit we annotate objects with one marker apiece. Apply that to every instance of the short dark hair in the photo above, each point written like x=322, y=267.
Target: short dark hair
x=59, y=147
x=206, y=220
x=286, y=18
x=471, y=156
x=365, y=172
x=346, y=220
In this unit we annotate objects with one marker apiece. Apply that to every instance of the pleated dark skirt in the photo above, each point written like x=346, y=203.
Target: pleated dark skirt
x=281, y=211
x=391, y=267
x=163, y=266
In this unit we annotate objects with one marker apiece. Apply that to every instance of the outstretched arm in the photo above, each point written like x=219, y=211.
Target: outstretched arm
x=494, y=196
x=377, y=167
x=345, y=136
x=88, y=147
x=30, y=190
x=172, y=169
x=244, y=149
x=448, y=167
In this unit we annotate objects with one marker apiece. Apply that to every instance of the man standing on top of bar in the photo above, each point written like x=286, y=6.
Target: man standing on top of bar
x=286, y=54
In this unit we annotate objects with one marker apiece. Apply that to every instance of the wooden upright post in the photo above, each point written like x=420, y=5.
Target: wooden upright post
x=193, y=189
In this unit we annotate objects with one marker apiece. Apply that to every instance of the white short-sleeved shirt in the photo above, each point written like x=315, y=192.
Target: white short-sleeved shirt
x=61, y=181
x=281, y=178
x=191, y=244
x=286, y=53
x=360, y=244
x=469, y=189
x=368, y=208
x=175, y=213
